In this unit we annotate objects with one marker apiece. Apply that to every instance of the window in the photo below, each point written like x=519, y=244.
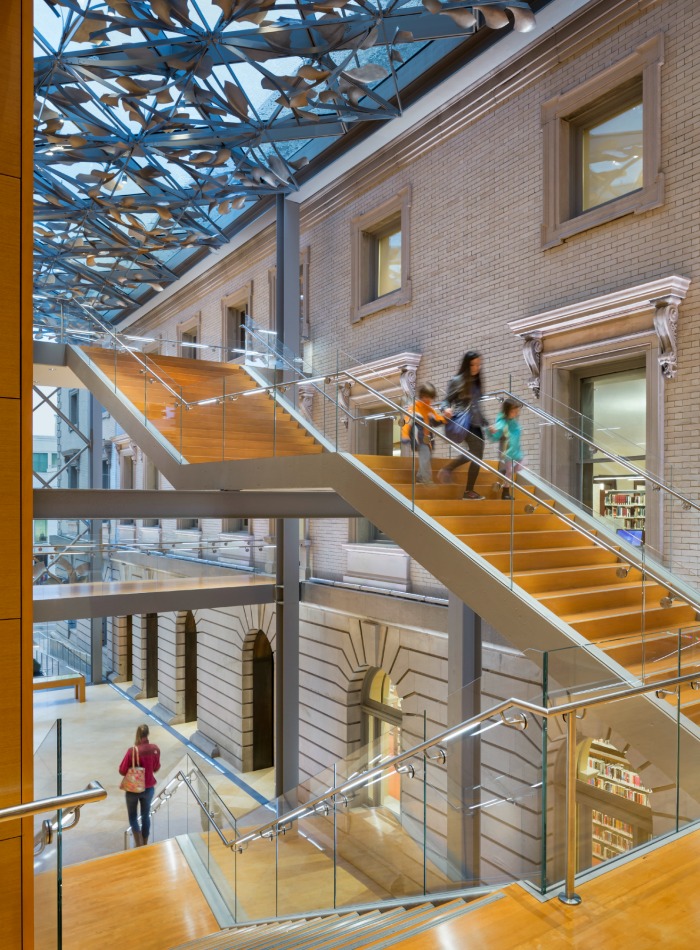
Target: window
x=40, y=461
x=41, y=531
x=234, y=309
x=188, y=334
x=73, y=408
x=611, y=153
x=234, y=525
x=602, y=147
x=188, y=342
x=380, y=257
x=188, y=524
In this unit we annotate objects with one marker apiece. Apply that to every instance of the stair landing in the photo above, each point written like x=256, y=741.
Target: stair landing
x=146, y=898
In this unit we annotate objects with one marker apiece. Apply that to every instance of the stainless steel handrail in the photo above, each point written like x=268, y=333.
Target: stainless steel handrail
x=627, y=557
x=182, y=777
x=611, y=456
x=322, y=804
x=93, y=792
x=131, y=350
x=49, y=828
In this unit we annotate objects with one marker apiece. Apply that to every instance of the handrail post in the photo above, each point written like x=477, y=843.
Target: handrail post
x=568, y=895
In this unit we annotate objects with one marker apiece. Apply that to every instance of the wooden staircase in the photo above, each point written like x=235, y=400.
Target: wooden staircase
x=564, y=571
x=214, y=432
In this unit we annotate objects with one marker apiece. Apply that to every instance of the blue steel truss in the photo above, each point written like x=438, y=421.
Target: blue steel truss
x=162, y=125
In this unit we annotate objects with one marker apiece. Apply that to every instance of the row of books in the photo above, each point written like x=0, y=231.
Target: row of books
x=614, y=771
x=611, y=822
x=630, y=794
x=621, y=498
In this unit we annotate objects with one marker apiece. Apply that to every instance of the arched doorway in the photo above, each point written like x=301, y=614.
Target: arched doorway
x=381, y=733
x=263, y=703
x=151, y=656
x=190, y=667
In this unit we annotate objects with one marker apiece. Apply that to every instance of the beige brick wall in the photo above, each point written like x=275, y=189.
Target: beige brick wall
x=476, y=255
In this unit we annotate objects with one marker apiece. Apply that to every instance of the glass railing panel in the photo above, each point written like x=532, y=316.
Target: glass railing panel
x=211, y=832
x=626, y=783
x=380, y=832
x=256, y=867
x=156, y=553
x=48, y=861
x=307, y=876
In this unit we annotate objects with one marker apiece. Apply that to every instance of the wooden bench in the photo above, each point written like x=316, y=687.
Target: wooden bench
x=59, y=682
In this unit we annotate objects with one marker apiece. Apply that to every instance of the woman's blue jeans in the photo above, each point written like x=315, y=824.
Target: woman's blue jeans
x=144, y=799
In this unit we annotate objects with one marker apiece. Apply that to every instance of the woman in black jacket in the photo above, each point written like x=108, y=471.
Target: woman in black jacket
x=464, y=391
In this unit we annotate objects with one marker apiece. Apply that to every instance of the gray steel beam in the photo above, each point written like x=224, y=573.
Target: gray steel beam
x=287, y=529
x=464, y=761
x=113, y=601
x=95, y=479
x=136, y=503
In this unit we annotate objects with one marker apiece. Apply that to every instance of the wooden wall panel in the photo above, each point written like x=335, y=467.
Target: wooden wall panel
x=11, y=890
x=10, y=87
x=10, y=282
x=10, y=722
x=10, y=590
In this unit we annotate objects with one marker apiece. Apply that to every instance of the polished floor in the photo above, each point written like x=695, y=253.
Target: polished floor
x=96, y=734
x=148, y=900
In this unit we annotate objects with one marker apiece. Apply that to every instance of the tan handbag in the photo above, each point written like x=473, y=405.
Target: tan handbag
x=135, y=778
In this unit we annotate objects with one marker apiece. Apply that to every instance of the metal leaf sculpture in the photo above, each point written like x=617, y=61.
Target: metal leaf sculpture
x=159, y=124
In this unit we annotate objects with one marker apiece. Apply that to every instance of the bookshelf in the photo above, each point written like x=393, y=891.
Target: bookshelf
x=626, y=508
x=614, y=806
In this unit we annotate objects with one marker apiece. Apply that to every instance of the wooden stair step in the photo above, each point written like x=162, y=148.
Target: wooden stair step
x=551, y=559
x=604, y=597
x=498, y=542
x=537, y=581
x=595, y=624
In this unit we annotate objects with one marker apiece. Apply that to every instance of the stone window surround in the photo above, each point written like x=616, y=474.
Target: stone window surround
x=639, y=322
x=560, y=222
x=187, y=326
x=363, y=227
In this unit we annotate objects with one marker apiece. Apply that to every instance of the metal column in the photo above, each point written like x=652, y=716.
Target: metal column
x=287, y=530
x=95, y=481
x=464, y=757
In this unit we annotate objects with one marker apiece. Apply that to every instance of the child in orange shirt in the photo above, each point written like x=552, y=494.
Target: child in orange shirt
x=414, y=435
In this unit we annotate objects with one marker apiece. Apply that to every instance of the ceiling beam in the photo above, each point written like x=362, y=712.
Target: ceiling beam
x=57, y=503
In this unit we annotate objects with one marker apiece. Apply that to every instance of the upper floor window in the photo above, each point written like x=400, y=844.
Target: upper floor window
x=386, y=258
x=602, y=147
x=380, y=257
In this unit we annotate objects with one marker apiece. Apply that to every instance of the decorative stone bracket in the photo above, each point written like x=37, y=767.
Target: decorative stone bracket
x=625, y=312
x=666, y=326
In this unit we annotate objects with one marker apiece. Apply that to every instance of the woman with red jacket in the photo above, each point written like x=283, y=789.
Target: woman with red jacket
x=147, y=755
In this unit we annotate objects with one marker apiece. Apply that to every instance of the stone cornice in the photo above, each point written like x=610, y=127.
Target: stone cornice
x=614, y=306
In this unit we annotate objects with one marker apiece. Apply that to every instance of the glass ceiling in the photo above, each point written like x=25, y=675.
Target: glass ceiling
x=161, y=125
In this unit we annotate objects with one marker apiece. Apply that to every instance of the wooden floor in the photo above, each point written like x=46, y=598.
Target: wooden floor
x=146, y=899
x=649, y=904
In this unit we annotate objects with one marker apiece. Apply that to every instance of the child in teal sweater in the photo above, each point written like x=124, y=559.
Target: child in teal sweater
x=506, y=430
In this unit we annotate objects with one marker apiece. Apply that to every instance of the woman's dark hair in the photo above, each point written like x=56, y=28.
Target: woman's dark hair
x=469, y=381
x=141, y=733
